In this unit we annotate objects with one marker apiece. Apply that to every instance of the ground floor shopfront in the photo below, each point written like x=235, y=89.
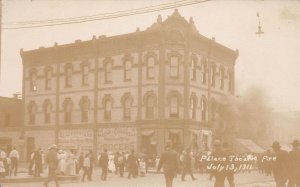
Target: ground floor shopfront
x=146, y=138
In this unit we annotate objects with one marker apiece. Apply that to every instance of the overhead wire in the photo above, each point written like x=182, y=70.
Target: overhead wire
x=75, y=20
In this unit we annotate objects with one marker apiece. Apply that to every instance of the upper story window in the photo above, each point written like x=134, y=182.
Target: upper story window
x=204, y=72
x=174, y=108
x=84, y=109
x=150, y=104
x=222, y=77
x=68, y=105
x=127, y=70
x=84, y=74
x=193, y=69
x=32, y=110
x=48, y=77
x=174, y=67
x=193, y=108
x=47, y=111
x=69, y=75
x=108, y=72
x=33, y=80
x=213, y=75
x=107, y=109
x=127, y=108
x=213, y=109
x=150, y=68
x=203, y=109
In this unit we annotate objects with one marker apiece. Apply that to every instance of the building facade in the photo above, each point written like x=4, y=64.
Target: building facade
x=132, y=91
x=11, y=121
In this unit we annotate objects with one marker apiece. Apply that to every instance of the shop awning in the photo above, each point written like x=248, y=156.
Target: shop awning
x=286, y=147
x=247, y=145
x=147, y=132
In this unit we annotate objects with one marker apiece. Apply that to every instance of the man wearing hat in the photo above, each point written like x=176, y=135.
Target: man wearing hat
x=169, y=163
x=218, y=153
x=52, y=162
x=294, y=172
x=280, y=165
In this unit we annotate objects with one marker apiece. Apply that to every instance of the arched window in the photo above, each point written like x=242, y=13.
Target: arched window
x=47, y=111
x=68, y=77
x=174, y=108
x=32, y=110
x=204, y=72
x=48, y=76
x=84, y=109
x=174, y=67
x=222, y=76
x=108, y=72
x=213, y=75
x=68, y=105
x=193, y=107
x=32, y=80
x=203, y=108
x=150, y=104
x=213, y=109
x=127, y=108
x=127, y=70
x=193, y=69
x=150, y=68
x=85, y=75
x=107, y=109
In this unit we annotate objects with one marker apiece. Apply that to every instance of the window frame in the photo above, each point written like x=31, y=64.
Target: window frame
x=108, y=74
x=85, y=75
x=174, y=67
x=68, y=76
x=150, y=68
x=175, y=107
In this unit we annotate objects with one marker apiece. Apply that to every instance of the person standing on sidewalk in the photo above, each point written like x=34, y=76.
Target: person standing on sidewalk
x=38, y=162
x=52, y=162
x=103, y=162
x=132, y=164
x=169, y=162
x=187, y=165
x=90, y=173
x=280, y=165
x=14, y=157
x=121, y=161
x=294, y=157
x=86, y=166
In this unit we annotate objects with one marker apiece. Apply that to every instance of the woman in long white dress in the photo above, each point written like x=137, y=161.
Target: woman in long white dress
x=61, y=162
x=71, y=164
x=111, y=164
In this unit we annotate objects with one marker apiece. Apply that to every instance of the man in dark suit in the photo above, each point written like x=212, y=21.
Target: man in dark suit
x=104, y=164
x=169, y=162
x=280, y=165
x=132, y=164
x=294, y=157
x=52, y=162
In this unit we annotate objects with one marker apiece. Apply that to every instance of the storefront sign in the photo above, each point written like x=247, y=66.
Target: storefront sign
x=80, y=139
x=117, y=139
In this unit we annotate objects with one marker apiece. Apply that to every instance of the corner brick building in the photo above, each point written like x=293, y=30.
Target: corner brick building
x=131, y=91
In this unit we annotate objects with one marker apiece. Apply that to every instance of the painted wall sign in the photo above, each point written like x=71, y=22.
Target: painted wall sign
x=117, y=139
x=80, y=139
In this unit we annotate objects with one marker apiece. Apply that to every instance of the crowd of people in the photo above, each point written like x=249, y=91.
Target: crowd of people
x=282, y=165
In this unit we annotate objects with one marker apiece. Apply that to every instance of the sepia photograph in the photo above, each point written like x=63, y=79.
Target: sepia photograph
x=149, y=93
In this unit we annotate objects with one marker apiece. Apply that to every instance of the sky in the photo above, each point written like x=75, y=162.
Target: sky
x=270, y=61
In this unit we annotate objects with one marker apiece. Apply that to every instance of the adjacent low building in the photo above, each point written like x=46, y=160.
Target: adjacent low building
x=11, y=123
x=131, y=91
